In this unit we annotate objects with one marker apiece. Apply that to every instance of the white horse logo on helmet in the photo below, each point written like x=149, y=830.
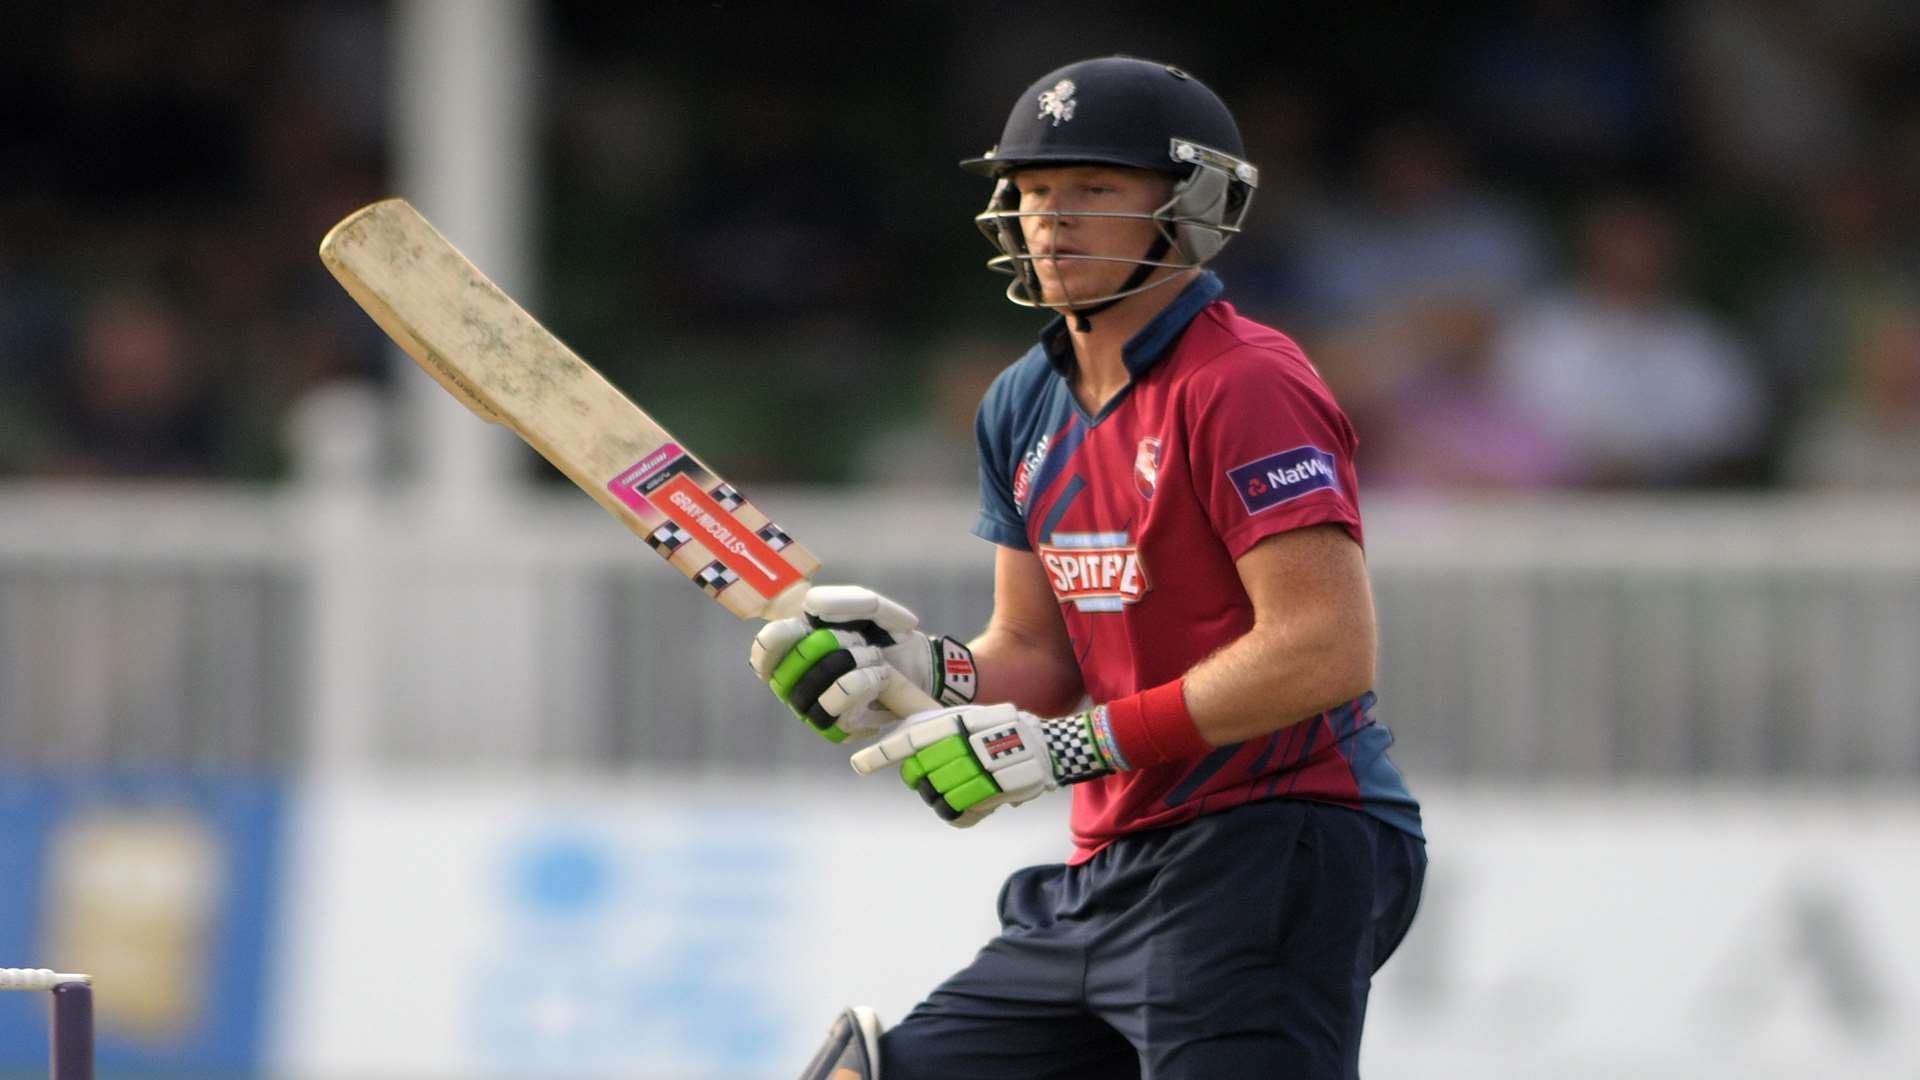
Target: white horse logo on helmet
x=1057, y=102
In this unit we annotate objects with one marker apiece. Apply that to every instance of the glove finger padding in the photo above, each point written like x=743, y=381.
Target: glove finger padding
x=905, y=740
x=853, y=604
x=803, y=693
x=852, y=700
x=967, y=761
x=821, y=660
x=818, y=664
x=772, y=644
x=830, y=649
x=975, y=814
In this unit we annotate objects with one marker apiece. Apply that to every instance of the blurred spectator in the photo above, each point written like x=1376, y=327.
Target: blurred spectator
x=1405, y=284
x=769, y=232
x=1777, y=88
x=1869, y=437
x=206, y=149
x=1266, y=266
x=32, y=310
x=1442, y=422
x=1421, y=227
x=1642, y=386
x=783, y=212
x=1837, y=330
x=131, y=401
x=1561, y=91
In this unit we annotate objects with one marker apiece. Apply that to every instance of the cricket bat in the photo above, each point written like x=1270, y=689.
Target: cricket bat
x=486, y=351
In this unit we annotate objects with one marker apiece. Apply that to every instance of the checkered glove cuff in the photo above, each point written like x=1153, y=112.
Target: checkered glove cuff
x=1075, y=752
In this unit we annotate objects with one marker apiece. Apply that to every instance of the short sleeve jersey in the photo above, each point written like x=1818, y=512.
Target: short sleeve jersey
x=1224, y=436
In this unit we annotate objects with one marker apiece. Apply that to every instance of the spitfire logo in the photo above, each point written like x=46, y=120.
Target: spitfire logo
x=1146, y=466
x=1095, y=571
x=1057, y=102
x=1030, y=464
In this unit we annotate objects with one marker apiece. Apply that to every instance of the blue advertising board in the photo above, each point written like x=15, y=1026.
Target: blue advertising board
x=161, y=886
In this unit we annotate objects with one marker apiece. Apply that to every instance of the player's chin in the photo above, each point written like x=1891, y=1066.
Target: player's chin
x=1066, y=286
x=1052, y=285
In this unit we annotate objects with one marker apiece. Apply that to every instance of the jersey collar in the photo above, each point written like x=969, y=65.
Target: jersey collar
x=1146, y=347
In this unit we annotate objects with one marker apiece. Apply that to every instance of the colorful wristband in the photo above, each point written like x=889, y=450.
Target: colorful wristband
x=1150, y=728
x=1073, y=746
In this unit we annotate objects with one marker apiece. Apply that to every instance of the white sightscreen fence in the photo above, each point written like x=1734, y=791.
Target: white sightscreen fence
x=1569, y=638
x=146, y=627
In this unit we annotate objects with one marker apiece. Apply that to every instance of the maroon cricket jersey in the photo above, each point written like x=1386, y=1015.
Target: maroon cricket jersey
x=1225, y=435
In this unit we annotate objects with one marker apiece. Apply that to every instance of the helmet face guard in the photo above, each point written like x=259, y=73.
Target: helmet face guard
x=1133, y=113
x=1204, y=211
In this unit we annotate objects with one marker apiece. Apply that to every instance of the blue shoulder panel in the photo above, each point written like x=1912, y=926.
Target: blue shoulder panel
x=1027, y=403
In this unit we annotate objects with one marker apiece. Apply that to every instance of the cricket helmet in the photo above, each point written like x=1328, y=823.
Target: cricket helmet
x=1119, y=110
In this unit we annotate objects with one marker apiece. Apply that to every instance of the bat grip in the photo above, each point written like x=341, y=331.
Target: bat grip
x=903, y=699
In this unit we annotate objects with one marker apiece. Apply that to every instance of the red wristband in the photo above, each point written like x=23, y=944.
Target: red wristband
x=1153, y=727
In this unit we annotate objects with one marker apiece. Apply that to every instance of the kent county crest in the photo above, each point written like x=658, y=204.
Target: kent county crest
x=1146, y=466
x=1057, y=102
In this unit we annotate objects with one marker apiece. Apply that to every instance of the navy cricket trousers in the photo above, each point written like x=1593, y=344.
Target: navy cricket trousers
x=1239, y=944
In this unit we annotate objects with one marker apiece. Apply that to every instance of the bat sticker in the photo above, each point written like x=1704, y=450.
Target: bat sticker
x=662, y=484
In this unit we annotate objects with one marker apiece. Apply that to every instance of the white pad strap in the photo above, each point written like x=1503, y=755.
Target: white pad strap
x=37, y=979
x=852, y=1048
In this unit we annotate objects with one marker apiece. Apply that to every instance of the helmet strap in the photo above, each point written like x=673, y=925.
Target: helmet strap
x=1083, y=317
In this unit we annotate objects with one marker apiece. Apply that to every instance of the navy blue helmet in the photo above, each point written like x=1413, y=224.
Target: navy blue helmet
x=1119, y=110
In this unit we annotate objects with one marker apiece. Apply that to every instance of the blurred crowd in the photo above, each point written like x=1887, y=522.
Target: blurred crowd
x=1684, y=256
x=1557, y=243
x=169, y=169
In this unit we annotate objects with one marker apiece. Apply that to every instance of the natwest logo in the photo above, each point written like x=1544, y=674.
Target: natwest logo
x=1284, y=477
x=1095, y=571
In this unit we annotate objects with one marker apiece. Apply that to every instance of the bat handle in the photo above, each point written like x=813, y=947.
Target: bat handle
x=903, y=699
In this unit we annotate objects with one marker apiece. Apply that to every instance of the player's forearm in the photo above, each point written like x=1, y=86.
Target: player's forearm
x=1030, y=672
x=1274, y=677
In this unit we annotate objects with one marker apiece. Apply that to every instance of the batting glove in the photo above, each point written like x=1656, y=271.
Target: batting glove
x=969, y=761
x=831, y=664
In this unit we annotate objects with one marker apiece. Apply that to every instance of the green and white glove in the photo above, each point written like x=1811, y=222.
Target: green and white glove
x=969, y=761
x=831, y=665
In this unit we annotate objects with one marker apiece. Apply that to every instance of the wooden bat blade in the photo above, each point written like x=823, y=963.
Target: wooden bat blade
x=486, y=351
